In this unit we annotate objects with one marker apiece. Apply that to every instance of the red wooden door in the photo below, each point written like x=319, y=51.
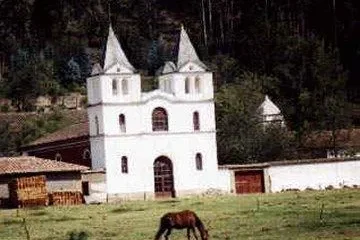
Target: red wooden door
x=249, y=181
x=164, y=180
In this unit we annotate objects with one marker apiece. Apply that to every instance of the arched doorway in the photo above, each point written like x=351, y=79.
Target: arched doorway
x=163, y=177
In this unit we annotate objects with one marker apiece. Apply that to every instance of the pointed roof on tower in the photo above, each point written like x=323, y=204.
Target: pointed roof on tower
x=268, y=107
x=114, y=53
x=187, y=51
x=96, y=69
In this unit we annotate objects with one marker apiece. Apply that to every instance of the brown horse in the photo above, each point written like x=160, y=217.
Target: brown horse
x=180, y=220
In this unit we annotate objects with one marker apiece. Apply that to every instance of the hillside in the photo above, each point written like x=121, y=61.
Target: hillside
x=303, y=54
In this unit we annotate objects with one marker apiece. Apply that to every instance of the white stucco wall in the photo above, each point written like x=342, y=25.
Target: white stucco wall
x=224, y=180
x=139, y=117
x=141, y=153
x=177, y=85
x=97, y=146
x=316, y=175
x=142, y=146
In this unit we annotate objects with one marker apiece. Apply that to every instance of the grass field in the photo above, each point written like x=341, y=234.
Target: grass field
x=307, y=215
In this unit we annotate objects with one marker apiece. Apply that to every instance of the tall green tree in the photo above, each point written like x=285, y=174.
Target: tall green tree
x=330, y=93
x=241, y=136
x=7, y=140
x=29, y=78
x=72, y=72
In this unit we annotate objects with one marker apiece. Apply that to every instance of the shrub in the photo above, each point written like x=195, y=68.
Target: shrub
x=330, y=187
x=4, y=108
x=78, y=235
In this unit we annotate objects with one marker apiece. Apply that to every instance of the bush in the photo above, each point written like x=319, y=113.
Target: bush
x=78, y=235
x=4, y=108
x=84, y=102
x=330, y=187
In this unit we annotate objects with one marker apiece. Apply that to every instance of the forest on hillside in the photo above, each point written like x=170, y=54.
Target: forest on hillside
x=305, y=54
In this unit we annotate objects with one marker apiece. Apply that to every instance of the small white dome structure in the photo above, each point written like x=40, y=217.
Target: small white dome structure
x=270, y=113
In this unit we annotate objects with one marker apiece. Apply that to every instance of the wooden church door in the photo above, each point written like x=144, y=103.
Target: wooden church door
x=164, y=179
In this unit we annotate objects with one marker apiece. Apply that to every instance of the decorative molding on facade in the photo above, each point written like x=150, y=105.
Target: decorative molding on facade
x=175, y=101
x=157, y=133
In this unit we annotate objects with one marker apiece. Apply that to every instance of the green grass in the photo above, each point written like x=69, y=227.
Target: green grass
x=307, y=215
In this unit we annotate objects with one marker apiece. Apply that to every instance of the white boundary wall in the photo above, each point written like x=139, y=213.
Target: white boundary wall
x=314, y=175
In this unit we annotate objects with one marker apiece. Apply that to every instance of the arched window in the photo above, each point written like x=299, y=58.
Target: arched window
x=159, y=120
x=196, y=121
x=58, y=157
x=197, y=85
x=86, y=157
x=86, y=154
x=187, y=85
x=198, y=159
x=122, y=123
x=97, y=130
x=124, y=164
x=114, y=87
x=124, y=86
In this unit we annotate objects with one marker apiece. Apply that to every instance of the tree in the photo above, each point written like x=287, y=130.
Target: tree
x=7, y=141
x=82, y=59
x=29, y=78
x=241, y=137
x=226, y=69
x=277, y=143
x=73, y=72
x=34, y=128
x=154, y=59
x=22, y=84
x=331, y=94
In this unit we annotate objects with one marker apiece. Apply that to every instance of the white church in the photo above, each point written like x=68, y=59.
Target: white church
x=154, y=144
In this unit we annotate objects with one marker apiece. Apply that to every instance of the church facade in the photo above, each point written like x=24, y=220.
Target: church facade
x=154, y=144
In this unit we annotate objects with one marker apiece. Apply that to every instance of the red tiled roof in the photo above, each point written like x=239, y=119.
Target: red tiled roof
x=29, y=164
x=69, y=132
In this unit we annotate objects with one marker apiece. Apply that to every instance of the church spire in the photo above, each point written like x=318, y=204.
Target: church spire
x=187, y=51
x=114, y=53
